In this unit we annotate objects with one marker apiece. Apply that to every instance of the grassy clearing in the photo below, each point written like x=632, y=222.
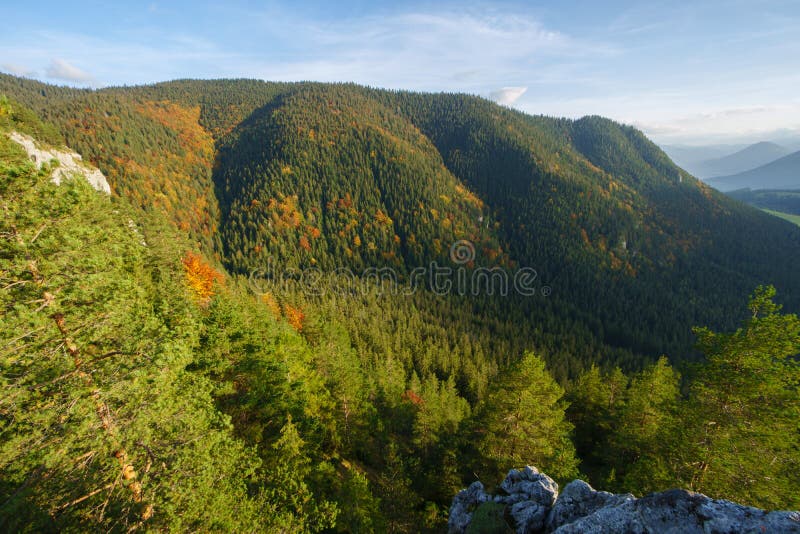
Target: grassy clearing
x=787, y=216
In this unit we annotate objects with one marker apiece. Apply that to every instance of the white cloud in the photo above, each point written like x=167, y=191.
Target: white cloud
x=507, y=95
x=473, y=51
x=753, y=123
x=470, y=51
x=61, y=70
x=17, y=70
x=495, y=52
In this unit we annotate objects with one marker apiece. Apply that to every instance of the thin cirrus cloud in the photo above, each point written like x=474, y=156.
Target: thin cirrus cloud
x=64, y=71
x=494, y=54
x=18, y=70
x=509, y=57
x=673, y=70
x=453, y=51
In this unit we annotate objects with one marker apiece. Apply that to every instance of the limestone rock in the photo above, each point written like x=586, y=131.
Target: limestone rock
x=464, y=504
x=578, y=499
x=533, y=504
x=69, y=163
x=529, y=494
x=679, y=511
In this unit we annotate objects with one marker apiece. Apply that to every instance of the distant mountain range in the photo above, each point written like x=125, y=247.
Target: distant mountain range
x=692, y=158
x=783, y=173
x=746, y=159
x=724, y=160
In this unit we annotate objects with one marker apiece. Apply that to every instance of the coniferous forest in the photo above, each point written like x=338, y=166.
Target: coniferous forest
x=238, y=338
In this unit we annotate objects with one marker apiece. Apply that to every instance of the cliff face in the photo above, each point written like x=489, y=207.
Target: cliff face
x=70, y=163
x=528, y=502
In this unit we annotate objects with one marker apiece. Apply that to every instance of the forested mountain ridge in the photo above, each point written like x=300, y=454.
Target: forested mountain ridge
x=355, y=185
x=601, y=213
x=363, y=411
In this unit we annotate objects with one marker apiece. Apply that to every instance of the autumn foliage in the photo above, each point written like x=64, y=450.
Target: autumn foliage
x=294, y=316
x=201, y=277
x=272, y=305
x=412, y=397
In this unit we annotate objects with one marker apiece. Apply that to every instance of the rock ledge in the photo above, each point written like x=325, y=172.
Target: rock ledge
x=69, y=163
x=533, y=505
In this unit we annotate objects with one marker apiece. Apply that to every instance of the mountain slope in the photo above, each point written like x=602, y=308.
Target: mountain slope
x=746, y=159
x=327, y=176
x=153, y=152
x=783, y=173
x=210, y=339
x=692, y=158
x=601, y=211
x=336, y=180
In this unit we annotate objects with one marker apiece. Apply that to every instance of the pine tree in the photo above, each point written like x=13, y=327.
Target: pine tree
x=643, y=431
x=523, y=423
x=293, y=504
x=745, y=409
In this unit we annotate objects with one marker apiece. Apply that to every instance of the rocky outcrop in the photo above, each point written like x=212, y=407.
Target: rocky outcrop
x=464, y=504
x=533, y=505
x=69, y=163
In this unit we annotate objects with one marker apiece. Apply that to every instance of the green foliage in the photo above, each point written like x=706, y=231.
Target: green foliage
x=104, y=427
x=14, y=116
x=113, y=378
x=359, y=508
x=522, y=422
x=646, y=414
x=399, y=503
x=733, y=435
x=292, y=503
x=746, y=407
x=595, y=400
x=129, y=403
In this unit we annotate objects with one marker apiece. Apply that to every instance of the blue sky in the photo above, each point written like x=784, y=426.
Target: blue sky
x=706, y=71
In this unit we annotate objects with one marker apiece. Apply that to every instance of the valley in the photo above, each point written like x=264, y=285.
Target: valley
x=234, y=405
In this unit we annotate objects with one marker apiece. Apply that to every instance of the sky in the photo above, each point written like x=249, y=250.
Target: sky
x=699, y=72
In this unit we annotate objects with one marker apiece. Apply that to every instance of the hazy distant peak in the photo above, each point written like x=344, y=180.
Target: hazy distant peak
x=723, y=160
x=748, y=158
x=783, y=173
